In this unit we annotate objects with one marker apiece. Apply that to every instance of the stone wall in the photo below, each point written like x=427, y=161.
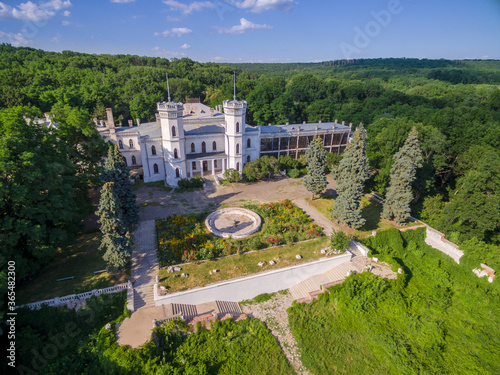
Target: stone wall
x=436, y=240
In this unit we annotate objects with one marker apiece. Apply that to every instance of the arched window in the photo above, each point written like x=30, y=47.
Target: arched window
x=193, y=165
x=214, y=146
x=125, y=160
x=237, y=127
x=237, y=148
x=215, y=163
x=120, y=144
x=134, y=160
x=131, y=143
x=238, y=166
x=153, y=150
x=173, y=131
x=203, y=147
x=155, y=168
x=249, y=143
x=193, y=149
x=177, y=173
x=248, y=159
x=176, y=155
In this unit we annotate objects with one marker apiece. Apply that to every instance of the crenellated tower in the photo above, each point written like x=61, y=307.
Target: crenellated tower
x=235, y=114
x=172, y=131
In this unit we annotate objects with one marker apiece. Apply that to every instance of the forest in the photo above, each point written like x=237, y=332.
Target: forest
x=454, y=105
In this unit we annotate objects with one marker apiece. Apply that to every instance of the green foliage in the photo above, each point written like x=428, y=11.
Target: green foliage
x=293, y=173
x=350, y=175
x=116, y=241
x=115, y=170
x=315, y=182
x=232, y=175
x=403, y=173
x=339, y=241
x=188, y=184
x=427, y=321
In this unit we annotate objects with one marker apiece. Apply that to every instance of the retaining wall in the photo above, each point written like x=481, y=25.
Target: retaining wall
x=248, y=287
x=436, y=239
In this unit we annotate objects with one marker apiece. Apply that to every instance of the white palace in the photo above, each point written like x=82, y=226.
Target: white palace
x=193, y=139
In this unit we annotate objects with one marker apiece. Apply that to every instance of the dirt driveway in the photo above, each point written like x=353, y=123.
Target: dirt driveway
x=157, y=203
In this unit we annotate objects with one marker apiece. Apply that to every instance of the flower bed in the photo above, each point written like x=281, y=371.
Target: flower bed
x=184, y=238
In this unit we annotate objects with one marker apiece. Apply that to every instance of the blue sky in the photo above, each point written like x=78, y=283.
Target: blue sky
x=258, y=30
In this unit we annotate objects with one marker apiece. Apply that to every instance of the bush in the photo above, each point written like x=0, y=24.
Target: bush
x=232, y=175
x=193, y=183
x=293, y=173
x=339, y=241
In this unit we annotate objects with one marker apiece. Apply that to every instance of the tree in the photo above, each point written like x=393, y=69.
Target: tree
x=116, y=242
x=116, y=171
x=351, y=175
x=403, y=172
x=316, y=182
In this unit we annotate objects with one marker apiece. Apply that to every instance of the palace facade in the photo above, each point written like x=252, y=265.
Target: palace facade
x=194, y=139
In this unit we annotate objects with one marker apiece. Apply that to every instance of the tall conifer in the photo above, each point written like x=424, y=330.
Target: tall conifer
x=350, y=175
x=316, y=182
x=116, y=242
x=116, y=171
x=399, y=194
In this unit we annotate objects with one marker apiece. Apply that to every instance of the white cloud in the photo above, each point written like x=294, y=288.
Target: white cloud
x=66, y=13
x=30, y=11
x=56, y=39
x=258, y=6
x=169, y=18
x=122, y=1
x=244, y=26
x=65, y=23
x=57, y=4
x=15, y=39
x=188, y=8
x=219, y=58
x=176, y=31
x=185, y=46
x=162, y=52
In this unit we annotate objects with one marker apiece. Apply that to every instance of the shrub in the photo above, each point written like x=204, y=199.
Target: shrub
x=293, y=173
x=193, y=183
x=232, y=175
x=339, y=241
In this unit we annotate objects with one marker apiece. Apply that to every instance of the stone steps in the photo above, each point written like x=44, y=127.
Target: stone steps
x=224, y=307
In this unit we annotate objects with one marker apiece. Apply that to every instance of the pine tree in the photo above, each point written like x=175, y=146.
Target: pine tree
x=399, y=194
x=316, y=182
x=116, y=242
x=116, y=171
x=351, y=175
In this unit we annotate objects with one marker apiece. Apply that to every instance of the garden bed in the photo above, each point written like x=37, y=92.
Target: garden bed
x=185, y=238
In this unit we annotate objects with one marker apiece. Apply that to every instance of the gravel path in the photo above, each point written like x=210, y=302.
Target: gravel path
x=273, y=313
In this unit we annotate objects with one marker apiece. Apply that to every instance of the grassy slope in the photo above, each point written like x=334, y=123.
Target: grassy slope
x=79, y=260
x=443, y=319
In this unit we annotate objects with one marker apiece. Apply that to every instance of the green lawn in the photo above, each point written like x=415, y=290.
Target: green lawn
x=371, y=211
x=241, y=265
x=79, y=260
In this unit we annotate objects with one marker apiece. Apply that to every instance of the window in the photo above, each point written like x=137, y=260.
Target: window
x=237, y=127
x=177, y=173
x=214, y=146
x=131, y=143
x=237, y=148
x=155, y=168
x=120, y=144
x=134, y=160
x=203, y=147
x=215, y=163
x=248, y=159
x=173, y=131
x=249, y=143
x=193, y=149
x=193, y=164
x=125, y=160
x=176, y=155
x=238, y=166
x=153, y=150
